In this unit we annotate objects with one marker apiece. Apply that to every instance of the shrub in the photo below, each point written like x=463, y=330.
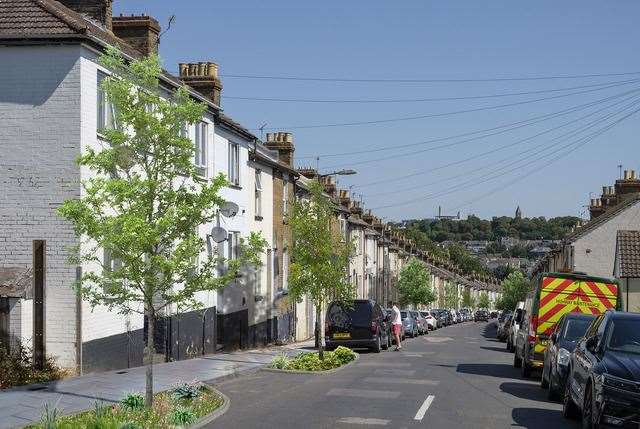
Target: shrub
x=187, y=391
x=133, y=401
x=128, y=425
x=16, y=367
x=182, y=416
x=280, y=362
x=344, y=354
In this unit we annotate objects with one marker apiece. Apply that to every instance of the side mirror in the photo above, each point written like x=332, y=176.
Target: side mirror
x=591, y=343
x=554, y=337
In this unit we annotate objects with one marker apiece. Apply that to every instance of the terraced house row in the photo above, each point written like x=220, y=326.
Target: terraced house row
x=52, y=107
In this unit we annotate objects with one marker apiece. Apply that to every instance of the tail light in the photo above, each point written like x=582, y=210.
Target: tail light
x=374, y=327
x=533, y=328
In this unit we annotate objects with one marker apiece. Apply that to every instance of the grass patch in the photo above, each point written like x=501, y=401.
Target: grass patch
x=311, y=361
x=172, y=408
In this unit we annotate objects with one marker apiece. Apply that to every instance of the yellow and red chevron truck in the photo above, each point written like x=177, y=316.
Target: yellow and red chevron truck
x=552, y=295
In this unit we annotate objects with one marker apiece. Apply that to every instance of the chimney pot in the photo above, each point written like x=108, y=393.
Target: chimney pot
x=605, y=190
x=633, y=174
x=626, y=175
x=612, y=190
x=213, y=70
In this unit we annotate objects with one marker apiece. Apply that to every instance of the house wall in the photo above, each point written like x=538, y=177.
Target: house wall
x=631, y=294
x=40, y=94
x=594, y=253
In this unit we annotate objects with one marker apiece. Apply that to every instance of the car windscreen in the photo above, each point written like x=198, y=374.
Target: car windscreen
x=358, y=313
x=403, y=314
x=575, y=329
x=624, y=336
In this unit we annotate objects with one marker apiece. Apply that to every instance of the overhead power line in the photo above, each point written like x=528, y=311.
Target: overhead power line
x=441, y=114
x=482, y=154
x=474, y=182
x=490, y=79
x=419, y=100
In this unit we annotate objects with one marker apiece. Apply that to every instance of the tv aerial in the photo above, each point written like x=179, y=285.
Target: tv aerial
x=229, y=209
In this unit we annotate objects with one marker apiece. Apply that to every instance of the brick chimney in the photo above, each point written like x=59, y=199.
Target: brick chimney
x=329, y=183
x=283, y=143
x=355, y=208
x=368, y=217
x=627, y=186
x=142, y=32
x=608, y=197
x=203, y=77
x=596, y=208
x=343, y=196
x=99, y=11
x=308, y=172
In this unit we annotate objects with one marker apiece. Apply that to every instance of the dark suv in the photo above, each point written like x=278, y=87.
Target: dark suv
x=604, y=373
x=481, y=316
x=361, y=323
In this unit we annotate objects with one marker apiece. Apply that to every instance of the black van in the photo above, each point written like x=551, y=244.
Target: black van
x=360, y=323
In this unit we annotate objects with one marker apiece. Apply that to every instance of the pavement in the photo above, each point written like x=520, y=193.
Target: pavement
x=23, y=405
x=457, y=377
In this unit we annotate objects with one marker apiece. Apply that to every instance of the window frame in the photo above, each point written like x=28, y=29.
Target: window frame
x=200, y=142
x=105, y=110
x=233, y=175
x=258, y=193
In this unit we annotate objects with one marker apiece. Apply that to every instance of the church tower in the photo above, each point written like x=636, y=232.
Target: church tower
x=518, y=213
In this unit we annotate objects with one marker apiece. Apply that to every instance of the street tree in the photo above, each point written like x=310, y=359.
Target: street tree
x=320, y=255
x=514, y=289
x=143, y=205
x=451, y=296
x=468, y=301
x=414, y=284
x=483, y=300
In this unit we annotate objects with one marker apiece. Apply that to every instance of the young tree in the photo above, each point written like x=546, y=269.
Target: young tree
x=144, y=204
x=467, y=300
x=320, y=255
x=413, y=284
x=483, y=300
x=514, y=289
x=451, y=296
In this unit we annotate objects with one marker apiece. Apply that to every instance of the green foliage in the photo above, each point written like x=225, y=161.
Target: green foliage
x=468, y=301
x=50, y=416
x=182, y=416
x=450, y=299
x=414, y=284
x=320, y=256
x=462, y=258
x=129, y=425
x=483, y=300
x=16, y=367
x=187, y=391
x=133, y=401
x=514, y=289
x=313, y=362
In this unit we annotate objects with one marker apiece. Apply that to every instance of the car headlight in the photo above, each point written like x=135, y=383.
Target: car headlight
x=563, y=357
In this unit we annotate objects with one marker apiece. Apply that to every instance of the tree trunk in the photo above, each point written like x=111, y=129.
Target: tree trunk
x=149, y=353
x=320, y=332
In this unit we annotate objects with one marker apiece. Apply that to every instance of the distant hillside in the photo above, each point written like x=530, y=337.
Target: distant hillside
x=474, y=228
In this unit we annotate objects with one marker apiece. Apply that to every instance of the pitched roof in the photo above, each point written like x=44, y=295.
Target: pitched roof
x=628, y=253
x=602, y=219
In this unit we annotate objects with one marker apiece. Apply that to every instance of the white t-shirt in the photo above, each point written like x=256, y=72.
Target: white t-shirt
x=397, y=319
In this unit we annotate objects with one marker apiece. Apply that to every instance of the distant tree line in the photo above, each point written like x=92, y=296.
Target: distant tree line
x=474, y=228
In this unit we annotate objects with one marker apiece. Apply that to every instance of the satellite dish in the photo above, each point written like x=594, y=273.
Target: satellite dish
x=229, y=209
x=218, y=234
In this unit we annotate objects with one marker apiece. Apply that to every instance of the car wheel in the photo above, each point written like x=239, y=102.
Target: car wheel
x=378, y=346
x=517, y=362
x=544, y=382
x=569, y=408
x=385, y=345
x=588, y=413
x=552, y=393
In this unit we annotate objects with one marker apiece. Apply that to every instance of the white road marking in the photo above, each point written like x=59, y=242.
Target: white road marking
x=424, y=407
x=361, y=393
x=388, y=365
x=393, y=380
x=437, y=339
x=363, y=421
x=417, y=355
x=404, y=372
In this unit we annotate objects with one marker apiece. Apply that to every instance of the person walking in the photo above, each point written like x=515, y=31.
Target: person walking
x=396, y=324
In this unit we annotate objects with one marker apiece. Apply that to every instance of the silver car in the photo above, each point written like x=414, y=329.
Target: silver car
x=409, y=324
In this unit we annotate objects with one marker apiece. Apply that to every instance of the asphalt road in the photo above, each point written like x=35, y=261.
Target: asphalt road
x=458, y=377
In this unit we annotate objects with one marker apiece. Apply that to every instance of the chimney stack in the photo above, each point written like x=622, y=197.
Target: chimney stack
x=203, y=77
x=343, y=195
x=282, y=143
x=142, y=32
x=99, y=11
x=628, y=186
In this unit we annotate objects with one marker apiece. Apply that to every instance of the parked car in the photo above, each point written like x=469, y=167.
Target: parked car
x=360, y=323
x=410, y=324
x=493, y=315
x=432, y=321
x=516, y=321
x=423, y=327
x=552, y=293
x=454, y=316
x=570, y=328
x=504, y=321
x=604, y=373
x=443, y=316
x=481, y=316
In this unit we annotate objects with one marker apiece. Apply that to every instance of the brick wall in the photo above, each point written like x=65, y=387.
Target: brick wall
x=39, y=141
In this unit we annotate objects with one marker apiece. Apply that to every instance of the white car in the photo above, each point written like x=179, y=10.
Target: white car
x=515, y=326
x=432, y=322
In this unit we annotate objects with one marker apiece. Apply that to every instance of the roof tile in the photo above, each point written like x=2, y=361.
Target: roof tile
x=628, y=253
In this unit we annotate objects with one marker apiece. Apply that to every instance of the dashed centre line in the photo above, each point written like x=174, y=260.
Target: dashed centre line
x=401, y=372
x=386, y=364
x=364, y=393
x=393, y=380
x=424, y=407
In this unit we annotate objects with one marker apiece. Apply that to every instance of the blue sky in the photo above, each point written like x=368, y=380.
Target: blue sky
x=465, y=39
